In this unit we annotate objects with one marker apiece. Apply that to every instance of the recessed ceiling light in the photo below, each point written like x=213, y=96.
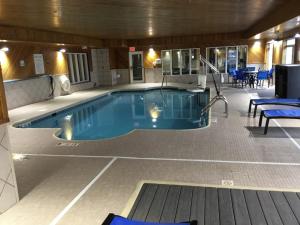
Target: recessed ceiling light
x=18, y=157
x=62, y=50
x=257, y=37
x=4, y=49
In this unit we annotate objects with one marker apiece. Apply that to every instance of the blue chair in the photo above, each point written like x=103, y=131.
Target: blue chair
x=261, y=77
x=232, y=74
x=241, y=77
x=118, y=220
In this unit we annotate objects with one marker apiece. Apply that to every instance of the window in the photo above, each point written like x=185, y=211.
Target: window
x=269, y=56
x=185, y=61
x=180, y=61
x=231, y=59
x=166, y=62
x=78, y=68
x=195, y=65
x=176, y=61
x=288, y=51
x=242, y=56
x=227, y=58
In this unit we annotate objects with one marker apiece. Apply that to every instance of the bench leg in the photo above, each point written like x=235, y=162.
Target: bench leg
x=261, y=118
x=255, y=110
x=267, y=126
x=250, y=105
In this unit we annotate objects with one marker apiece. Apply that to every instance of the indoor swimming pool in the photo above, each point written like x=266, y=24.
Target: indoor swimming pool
x=119, y=113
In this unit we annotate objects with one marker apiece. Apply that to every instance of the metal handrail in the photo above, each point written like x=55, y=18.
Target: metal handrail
x=219, y=96
x=163, y=80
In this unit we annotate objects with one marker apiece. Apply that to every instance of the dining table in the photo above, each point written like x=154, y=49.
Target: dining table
x=250, y=76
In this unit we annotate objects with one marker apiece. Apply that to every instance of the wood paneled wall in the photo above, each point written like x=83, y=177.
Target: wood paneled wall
x=277, y=52
x=119, y=58
x=13, y=33
x=55, y=62
x=256, y=52
x=3, y=106
x=120, y=55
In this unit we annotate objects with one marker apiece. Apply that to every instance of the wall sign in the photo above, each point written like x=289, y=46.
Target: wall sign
x=132, y=49
x=39, y=66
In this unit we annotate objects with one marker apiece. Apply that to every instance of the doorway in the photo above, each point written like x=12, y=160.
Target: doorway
x=136, y=66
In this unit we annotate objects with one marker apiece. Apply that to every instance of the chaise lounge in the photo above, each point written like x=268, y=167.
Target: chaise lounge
x=112, y=219
x=272, y=101
x=278, y=114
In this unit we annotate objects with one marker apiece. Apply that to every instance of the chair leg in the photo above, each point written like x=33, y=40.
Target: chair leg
x=261, y=118
x=263, y=82
x=267, y=126
x=250, y=106
x=255, y=110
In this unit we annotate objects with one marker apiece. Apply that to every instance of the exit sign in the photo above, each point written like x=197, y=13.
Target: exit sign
x=132, y=49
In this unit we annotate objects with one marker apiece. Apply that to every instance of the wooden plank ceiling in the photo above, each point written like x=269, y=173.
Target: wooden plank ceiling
x=130, y=19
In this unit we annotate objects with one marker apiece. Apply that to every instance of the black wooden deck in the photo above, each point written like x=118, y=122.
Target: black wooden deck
x=215, y=206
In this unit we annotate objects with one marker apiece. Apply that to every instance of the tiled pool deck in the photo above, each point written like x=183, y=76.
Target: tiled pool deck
x=81, y=185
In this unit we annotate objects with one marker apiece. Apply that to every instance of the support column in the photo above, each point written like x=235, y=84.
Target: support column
x=8, y=185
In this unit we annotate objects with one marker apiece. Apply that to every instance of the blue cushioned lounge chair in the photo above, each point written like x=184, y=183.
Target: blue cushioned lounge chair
x=118, y=220
x=272, y=101
x=278, y=114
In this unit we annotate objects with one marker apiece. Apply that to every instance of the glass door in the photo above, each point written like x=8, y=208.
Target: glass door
x=185, y=61
x=211, y=57
x=136, y=64
x=242, y=56
x=176, y=62
x=195, y=65
x=221, y=59
x=231, y=59
x=166, y=56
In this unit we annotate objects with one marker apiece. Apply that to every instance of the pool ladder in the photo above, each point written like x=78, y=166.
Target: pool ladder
x=163, y=80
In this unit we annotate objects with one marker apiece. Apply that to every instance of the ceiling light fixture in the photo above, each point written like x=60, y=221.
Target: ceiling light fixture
x=4, y=49
x=257, y=37
x=63, y=50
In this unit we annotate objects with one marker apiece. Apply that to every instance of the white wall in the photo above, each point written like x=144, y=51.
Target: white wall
x=24, y=92
x=8, y=185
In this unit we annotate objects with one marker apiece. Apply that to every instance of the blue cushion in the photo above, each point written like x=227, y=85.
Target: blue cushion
x=118, y=220
x=279, y=101
x=285, y=113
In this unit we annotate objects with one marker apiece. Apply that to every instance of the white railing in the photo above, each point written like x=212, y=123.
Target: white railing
x=219, y=96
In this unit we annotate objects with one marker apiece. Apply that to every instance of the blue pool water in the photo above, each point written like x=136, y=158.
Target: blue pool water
x=119, y=113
